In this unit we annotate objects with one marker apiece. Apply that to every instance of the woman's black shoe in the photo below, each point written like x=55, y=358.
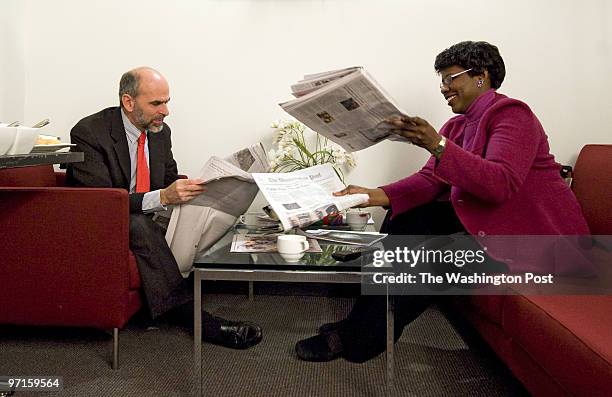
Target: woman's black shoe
x=331, y=327
x=319, y=348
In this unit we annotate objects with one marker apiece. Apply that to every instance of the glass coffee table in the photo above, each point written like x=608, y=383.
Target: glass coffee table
x=218, y=263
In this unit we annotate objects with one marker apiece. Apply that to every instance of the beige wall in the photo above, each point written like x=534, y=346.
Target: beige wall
x=11, y=61
x=229, y=63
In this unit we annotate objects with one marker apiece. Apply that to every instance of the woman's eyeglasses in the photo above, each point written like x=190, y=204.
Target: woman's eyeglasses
x=448, y=80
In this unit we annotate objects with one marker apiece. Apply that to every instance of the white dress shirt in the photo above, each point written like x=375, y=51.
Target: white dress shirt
x=151, y=201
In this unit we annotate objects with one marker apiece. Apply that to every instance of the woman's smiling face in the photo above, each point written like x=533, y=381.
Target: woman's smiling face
x=460, y=89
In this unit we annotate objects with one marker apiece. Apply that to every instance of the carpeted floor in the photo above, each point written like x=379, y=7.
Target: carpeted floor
x=432, y=359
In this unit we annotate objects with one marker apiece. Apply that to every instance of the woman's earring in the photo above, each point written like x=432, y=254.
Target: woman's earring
x=480, y=83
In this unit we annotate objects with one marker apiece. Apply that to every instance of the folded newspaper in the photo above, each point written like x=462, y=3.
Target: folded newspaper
x=302, y=197
x=230, y=189
x=345, y=237
x=347, y=106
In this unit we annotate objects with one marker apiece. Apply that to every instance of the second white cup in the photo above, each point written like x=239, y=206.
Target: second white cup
x=357, y=220
x=291, y=247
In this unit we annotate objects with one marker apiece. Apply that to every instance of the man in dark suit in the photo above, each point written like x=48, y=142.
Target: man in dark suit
x=129, y=147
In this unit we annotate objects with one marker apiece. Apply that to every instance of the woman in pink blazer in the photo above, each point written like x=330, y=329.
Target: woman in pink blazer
x=490, y=173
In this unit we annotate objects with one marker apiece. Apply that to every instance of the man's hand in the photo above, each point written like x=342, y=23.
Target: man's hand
x=416, y=130
x=376, y=197
x=181, y=191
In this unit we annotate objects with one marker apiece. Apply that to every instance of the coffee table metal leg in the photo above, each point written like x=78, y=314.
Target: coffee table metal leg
x=197, y=332
x=251, y=291
x=390, y=337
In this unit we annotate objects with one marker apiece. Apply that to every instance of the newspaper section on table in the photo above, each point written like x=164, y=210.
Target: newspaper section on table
x=230, y=189
x=347, y=106
x=366, y=239
x=302, y=197
x=251, y=243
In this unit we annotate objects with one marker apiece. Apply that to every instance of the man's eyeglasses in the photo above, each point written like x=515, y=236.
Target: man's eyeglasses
x=448, y=80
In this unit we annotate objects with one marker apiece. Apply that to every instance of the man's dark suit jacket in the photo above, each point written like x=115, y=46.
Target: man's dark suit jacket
x=101, y=137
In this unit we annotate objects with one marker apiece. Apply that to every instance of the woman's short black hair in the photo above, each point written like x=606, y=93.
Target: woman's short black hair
x=478, y=55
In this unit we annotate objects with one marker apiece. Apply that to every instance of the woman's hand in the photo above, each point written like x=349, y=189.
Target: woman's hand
x=416, y=130
x=376, y=197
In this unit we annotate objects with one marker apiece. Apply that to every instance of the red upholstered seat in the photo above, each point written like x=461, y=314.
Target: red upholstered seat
x=65, y=253
x=42, y=176
x=560, y=345
x=569, y=336
x=593, y=187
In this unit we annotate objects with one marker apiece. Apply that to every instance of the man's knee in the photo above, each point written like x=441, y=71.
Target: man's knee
x=139, y=222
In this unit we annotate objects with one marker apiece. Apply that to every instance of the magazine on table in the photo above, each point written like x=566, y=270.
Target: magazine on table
x=346, y=106
x=250, y=243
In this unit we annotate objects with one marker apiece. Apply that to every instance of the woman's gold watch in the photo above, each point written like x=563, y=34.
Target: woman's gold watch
x=438, y=150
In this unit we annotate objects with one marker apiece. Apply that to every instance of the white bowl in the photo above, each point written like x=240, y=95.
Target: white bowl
x=25, y=140
x=7, y=137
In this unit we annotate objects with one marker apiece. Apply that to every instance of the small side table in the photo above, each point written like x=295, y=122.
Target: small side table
x=32, y=159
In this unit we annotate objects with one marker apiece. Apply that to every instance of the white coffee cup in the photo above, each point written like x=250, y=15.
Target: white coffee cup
x=291, y=247
x=357, y=220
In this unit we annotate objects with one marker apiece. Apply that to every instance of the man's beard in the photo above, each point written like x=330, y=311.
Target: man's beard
x=144, y=124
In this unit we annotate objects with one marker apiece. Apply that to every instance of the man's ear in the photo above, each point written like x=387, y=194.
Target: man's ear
x=128, y=102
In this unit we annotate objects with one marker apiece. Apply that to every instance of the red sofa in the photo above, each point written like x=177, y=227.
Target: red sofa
x=64, y=256
x=559, y=345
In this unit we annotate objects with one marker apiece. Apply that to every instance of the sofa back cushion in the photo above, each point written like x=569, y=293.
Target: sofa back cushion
x=592, y=185
x=38, y=176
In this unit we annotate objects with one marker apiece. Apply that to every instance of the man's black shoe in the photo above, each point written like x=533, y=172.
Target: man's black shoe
x=236, y=335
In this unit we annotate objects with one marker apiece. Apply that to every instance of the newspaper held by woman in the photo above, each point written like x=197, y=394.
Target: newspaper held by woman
x=346, y=106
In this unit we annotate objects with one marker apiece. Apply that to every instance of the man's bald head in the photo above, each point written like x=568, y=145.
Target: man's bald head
x=144, y=97
x=131, y=81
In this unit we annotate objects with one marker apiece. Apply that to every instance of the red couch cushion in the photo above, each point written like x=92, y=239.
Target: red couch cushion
x=39, y=176
x=593, y=187
x=569, y=336
x=487, y=306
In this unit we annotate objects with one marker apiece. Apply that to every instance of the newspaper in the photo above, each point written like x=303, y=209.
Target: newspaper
x=227, y=187
x=302, y=197
x=366, y=239
x=251, y=243
x=313, y=82
x=347, y=106
x=230, y=189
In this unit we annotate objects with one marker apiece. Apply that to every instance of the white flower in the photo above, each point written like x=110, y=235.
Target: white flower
x=350, y=160
x=288, y=151
x=284, y=145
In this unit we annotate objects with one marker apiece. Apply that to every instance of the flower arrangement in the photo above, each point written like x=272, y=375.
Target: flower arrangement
x=292, y=152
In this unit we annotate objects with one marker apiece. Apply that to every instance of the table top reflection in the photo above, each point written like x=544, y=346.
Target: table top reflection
x=220, y=257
